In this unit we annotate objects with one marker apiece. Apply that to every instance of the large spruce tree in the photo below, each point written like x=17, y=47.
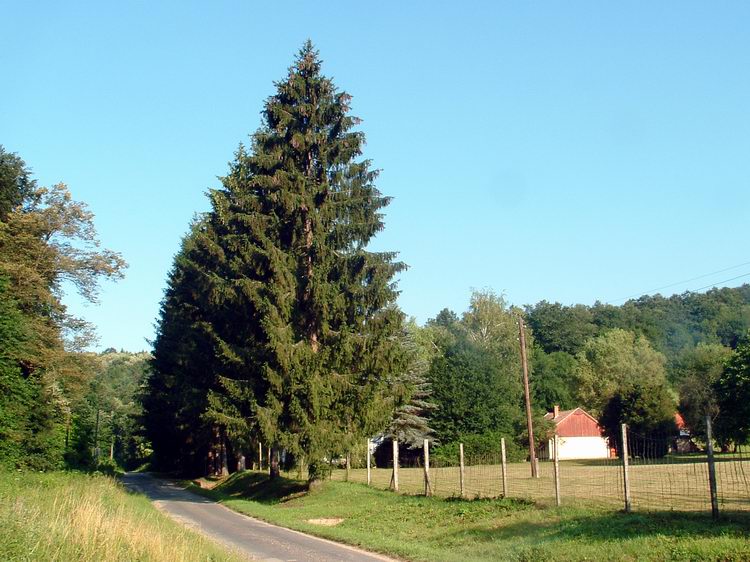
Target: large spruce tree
x=185, y=437
x=302, y=315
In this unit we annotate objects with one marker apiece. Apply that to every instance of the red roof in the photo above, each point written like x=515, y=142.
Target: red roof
x=575, y=423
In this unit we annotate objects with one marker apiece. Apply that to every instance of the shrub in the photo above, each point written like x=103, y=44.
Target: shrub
x=478, y=447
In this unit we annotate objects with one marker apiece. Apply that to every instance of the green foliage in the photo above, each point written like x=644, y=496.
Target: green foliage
x=15, y=182
x=559, y=328
x=182, y=375
x=477, y=384
x=478, y=447
x=476, y=380
x=112, y=394
x=411, y=390
x=648, y=409
x=698, y=369
x=733, y=397
x=475, y=394
x=47, y=240
x=553, y=380
x=719, y=316
x=16, y=392
x=318, y=470
x=278, y=322
x=614, y=362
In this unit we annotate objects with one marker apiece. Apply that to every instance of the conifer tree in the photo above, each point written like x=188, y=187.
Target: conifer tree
x=182, y=372
x=303, y=319
x=411, y=391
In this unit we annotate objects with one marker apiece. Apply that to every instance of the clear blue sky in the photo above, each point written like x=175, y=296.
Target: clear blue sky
x=568, y=151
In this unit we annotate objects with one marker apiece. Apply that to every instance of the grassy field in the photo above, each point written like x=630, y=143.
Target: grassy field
x=418, y=528
x=681, y=486
x=72, y=516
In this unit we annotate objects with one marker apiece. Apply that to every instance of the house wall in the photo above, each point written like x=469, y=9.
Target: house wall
x=583, y=448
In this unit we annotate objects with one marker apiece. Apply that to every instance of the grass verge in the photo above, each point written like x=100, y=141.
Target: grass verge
x=418, y=528
x=75, y=516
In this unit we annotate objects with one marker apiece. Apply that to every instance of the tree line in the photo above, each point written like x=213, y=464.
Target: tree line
x=47, y=243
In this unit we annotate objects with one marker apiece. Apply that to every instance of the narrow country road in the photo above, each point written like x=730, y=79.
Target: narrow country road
x=254, y=538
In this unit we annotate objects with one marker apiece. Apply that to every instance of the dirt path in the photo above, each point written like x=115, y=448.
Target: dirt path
x=254, y=538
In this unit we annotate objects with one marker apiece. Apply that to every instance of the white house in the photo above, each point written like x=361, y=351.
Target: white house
x=579, y=436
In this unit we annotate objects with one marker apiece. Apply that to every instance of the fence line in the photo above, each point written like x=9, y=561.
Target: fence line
x=645, y=475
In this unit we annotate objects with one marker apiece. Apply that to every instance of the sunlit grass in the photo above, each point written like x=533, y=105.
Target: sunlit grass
x=71, y=516
x=444, y=529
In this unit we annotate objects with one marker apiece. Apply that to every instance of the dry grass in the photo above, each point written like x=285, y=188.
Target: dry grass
x=65, y=516
x=681, y=486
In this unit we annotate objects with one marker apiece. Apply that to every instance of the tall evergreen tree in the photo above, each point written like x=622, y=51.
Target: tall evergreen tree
x=302, y=316
x=182, y=372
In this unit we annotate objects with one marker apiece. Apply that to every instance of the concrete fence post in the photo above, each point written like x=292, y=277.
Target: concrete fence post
x=461, y=474
x=711, y=469
x=556, y=460
x=369, y=463
x=503, y=467
x=394, y=478
x=427, y=482
x=625, y=475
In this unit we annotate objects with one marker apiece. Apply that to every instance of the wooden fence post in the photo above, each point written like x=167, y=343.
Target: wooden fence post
x=711, y=469
x=503, y=466
x=394, y=479
x=461, y=467
x=625, y=477
x=427, y=482
x=369, y=464
x=348, y=465
x=558, y=499
x=260, y=455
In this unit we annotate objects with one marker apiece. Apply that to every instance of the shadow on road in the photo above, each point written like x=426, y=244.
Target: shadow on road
x=158, y=489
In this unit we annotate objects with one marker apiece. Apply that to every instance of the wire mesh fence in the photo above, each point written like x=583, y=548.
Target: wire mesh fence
x=659, y=477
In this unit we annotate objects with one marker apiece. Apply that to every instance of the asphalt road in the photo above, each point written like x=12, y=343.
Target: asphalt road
x=256, y=539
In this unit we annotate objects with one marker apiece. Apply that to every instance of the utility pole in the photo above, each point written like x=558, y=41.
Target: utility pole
x=527, y=397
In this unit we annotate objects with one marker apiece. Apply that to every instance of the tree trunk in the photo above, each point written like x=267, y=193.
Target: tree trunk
x=274, y=470
x=224, y=467
x=311, y=322
x=241, y=466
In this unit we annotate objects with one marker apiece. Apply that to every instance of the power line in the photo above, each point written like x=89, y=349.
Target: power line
x=688, y=281
x=720, y=282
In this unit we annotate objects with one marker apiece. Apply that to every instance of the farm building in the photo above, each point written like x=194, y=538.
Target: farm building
x=579, y=434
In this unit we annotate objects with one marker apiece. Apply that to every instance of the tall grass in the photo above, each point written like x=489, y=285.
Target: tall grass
x=71, y=516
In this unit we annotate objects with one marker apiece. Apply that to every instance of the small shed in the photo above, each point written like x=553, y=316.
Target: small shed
x=579, y=436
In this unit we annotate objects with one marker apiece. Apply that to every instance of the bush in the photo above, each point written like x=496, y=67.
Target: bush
x=318, y=470
x=648, y=409
x=477, y=447
x=107, y=466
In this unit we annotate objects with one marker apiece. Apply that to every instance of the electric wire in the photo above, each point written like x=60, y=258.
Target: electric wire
x=688, y=281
